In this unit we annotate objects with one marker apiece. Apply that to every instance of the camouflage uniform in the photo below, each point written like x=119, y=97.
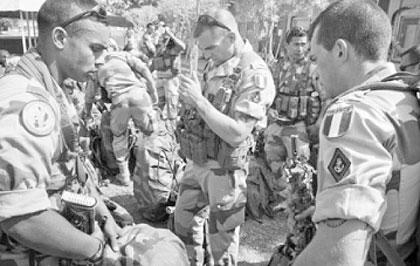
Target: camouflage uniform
x=298, y=105
x=129, y=100
x=34, y=140
x=369, y=161
x=167, y=65
x=211, y=178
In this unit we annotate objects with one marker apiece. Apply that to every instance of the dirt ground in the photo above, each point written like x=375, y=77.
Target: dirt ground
x=258, y=238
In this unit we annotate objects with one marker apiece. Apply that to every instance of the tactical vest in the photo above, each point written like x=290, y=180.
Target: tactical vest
x=294, y=101
x=166, y=60
x=199, y=143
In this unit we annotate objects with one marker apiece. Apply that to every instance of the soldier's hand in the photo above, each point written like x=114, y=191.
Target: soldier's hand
x=306, y=213
x=190, y=89
x=97, y=232
x=272, y=114
x=112, y=232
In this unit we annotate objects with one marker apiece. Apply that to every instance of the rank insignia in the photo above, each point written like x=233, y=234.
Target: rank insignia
x=38, y=118
x=339, y=165
x=337, y=121
x=260, y=81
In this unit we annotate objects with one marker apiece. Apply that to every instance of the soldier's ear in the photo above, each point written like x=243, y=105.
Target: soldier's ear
x=231, y=36
x=59, y=35
x=341, y=50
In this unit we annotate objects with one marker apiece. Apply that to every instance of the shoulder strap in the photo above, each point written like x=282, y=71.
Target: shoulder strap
x=390, y=253
x=401, y=81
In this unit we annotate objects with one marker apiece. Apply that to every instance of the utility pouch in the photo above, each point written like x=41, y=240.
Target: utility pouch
x=293, y=109
x=184, y=143
x=222, y=99
x=284, y=104
x=212, y=143
x=198, y=149
x=79, y=210
x=314, y=108
x=277, y=103
x=231, y=158
x=303, y=106
x=159, y=63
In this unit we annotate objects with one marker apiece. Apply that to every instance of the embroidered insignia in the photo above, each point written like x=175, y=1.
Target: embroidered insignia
x=339, y=165
x=38, y=118
x=255, y=97
x=260, y=81
x=337, y=121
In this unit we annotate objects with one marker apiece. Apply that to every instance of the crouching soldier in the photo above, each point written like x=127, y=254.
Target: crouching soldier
x=38, y=133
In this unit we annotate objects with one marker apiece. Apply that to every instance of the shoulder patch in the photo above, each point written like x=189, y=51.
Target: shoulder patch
x=38, y=118
x=260, y=81
x=339, y=165
x=337, y=121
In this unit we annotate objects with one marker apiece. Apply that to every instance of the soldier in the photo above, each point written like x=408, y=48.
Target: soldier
x=297, y=103
x=410, y=60
x=130, y=99
x=37, y=137
x=149, y=41
x=369, y=155
x=216, y=135
x=167, y=64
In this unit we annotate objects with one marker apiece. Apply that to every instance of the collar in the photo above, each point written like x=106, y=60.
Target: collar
x=375, y=75
x=227, y=67
x=379, y=73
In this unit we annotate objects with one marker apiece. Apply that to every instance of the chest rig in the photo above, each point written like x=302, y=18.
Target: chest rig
x=295, y=100
x=199, y=143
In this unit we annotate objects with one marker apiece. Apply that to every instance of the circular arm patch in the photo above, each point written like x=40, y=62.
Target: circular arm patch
x=38, y=118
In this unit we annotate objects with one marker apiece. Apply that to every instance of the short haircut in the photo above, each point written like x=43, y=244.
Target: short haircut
x=361, y=22
x=295, y=32
x=215, y=18
x=150, y=24
x=54, y=12
x=413, y=54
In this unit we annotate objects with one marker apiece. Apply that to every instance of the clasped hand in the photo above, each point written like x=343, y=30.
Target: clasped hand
x=190, y=89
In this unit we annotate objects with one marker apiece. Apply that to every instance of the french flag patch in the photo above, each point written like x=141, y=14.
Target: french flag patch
x=337, y=121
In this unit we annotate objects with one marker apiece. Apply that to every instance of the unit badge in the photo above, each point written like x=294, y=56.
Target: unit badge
x=339, y=165
x=38, y=118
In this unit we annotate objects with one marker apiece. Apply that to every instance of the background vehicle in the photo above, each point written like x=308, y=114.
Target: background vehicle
x=405, y=18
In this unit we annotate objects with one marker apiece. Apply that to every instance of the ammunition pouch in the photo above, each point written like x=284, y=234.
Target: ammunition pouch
x=166, y=62
x=297, y=108
x=231, y=158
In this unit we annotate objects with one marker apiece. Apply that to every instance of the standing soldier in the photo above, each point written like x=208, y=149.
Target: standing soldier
x=167, y=64
x=369, y=156
x=149, y=41
x=216, y=136
x=297, y=102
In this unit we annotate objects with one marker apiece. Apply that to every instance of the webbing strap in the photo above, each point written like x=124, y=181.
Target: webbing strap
x=390, y=253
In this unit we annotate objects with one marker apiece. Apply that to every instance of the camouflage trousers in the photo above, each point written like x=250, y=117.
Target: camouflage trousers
x=277, y=145
x=207, y=192
x=168, y=89
x=140, y=245
x=126, y=106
